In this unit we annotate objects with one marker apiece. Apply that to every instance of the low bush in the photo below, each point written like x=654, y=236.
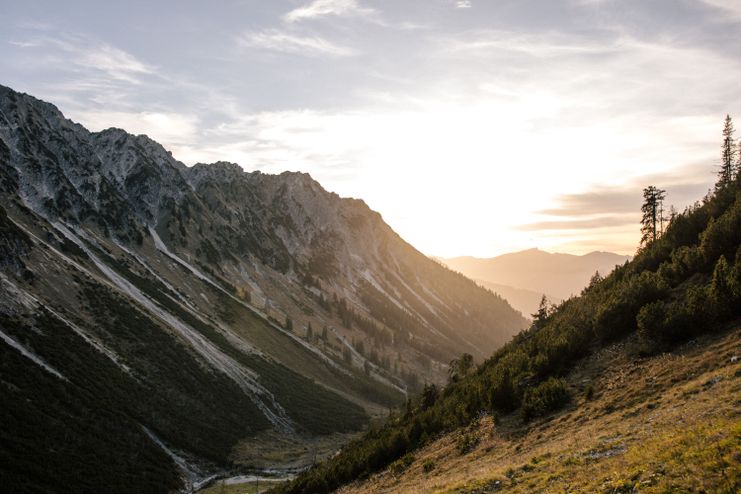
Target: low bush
x=544, y=398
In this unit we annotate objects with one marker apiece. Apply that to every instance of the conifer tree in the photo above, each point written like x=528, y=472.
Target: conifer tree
x=652, y=209
x=728, y=152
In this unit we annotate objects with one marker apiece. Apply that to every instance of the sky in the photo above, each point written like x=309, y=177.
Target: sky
x=474, y=127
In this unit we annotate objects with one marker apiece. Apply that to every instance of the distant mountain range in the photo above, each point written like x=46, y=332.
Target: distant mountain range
x=523, y=277
x=157, y=318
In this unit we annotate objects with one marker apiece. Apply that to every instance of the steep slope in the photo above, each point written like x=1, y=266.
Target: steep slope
x=196, y=312
x=682, y=285
x=560, y=275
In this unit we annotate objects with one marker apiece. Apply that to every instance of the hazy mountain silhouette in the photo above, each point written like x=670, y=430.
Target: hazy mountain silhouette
x=556, y=275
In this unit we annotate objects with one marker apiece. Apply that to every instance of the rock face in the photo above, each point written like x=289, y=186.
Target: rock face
x=205, y=304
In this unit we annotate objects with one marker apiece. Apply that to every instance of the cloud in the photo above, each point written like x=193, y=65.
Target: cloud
x=89, y=54
x=730, y=8
x=617, y=208
x=324, y=143
x=281, y=41
x=323, y=8
x=463, y=4
x=24, y=44
x=684, y=185
x=113, y=61
x=580, y=223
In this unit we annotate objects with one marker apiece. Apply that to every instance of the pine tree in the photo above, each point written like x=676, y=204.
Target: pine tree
x=653, y=214
x=728, y=164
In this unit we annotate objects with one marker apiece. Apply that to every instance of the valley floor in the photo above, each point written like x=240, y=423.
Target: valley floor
x=669, y=423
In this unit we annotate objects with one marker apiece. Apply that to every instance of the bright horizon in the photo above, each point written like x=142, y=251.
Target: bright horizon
x=475, y=128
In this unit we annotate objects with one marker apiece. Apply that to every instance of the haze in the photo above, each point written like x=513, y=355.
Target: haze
x=474, y=127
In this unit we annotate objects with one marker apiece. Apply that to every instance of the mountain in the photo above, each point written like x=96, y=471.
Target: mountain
x=162, y=323
x=631, y=385
x=559, y=275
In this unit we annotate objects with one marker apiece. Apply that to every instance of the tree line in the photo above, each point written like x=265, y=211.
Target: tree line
x=654, y=219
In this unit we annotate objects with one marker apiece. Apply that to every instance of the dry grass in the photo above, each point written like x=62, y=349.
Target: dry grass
x=664, y=424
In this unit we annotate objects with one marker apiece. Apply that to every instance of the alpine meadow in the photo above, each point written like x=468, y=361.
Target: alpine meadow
x=360, y=246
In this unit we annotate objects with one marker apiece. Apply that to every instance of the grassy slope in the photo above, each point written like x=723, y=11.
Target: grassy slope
x=668, y=423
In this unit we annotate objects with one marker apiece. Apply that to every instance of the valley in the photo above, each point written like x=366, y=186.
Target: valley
x=370, y=247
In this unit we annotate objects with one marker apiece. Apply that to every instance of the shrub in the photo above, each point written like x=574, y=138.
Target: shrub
x=466, y=442
x=399, y=466
x=652, y=319
x=544, y=398
x=588, y=392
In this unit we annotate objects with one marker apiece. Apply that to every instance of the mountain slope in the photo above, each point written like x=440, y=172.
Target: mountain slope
x=668, y=423
x=194, y=311
x=684, y=284
x=560, y=275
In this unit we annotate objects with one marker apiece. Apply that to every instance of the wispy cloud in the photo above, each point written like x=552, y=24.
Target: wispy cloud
x=617, y=208
x=113, y=61
x=24, y=44
x=323, y=8
x=90, y=55
x=728, y=7
x=282, y=41
x=463, y=4
x=603, y=221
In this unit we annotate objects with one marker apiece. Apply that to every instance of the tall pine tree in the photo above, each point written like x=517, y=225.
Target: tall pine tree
x=728, y=151
x=652, y=209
